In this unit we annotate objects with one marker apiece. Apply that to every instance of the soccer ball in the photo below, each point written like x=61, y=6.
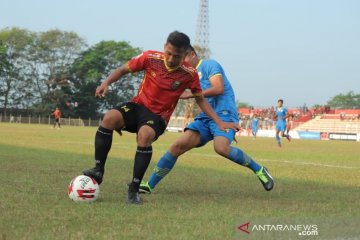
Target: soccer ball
x=83, y=189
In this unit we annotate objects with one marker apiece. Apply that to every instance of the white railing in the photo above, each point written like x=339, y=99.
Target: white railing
x=49, y=120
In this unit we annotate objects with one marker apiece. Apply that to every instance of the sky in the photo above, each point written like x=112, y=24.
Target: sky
x=303, y=51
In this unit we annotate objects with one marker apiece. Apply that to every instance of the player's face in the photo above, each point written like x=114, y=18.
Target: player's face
x=191, y=58
x=174, y=56
x=280, y=103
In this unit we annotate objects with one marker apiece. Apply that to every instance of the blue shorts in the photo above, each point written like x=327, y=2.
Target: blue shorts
x=208, y=129
x=280, y=126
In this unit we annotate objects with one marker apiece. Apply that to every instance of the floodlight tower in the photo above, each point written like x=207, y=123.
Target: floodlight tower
x=202, y=29
x=201, y=44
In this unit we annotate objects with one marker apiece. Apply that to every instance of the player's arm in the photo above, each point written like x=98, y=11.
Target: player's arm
x=288, y=115
x=206, y=108
x=103, y=89
x=274, y=116
x=217, y=86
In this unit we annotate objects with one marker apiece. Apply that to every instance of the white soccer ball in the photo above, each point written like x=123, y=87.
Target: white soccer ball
x=83, y=189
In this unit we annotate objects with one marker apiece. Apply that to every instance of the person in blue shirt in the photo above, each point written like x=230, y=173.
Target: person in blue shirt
x=220, y=95
x=281, y=116
x=255, y=125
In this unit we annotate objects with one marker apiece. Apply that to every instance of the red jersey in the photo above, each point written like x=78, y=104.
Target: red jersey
x=161, y=86
x=57, y=113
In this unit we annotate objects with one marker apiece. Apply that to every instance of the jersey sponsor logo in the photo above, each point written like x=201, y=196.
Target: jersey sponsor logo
x=175, y=85
x=153, y=74
x=126, y=109
x=151, y=122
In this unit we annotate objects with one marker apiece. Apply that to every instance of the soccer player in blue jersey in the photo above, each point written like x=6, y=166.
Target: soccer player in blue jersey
x=220, y=95
x=255, y=125
x=281, y=116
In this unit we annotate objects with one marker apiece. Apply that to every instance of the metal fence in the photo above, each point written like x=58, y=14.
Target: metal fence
x=175, y=123
x=49, y=120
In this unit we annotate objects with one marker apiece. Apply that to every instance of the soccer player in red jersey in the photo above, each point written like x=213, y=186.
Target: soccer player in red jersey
x=147, y=114
x=57, y=115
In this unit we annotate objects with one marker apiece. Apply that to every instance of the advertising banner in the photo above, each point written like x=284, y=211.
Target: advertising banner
x=343, y=136
x=309, y=135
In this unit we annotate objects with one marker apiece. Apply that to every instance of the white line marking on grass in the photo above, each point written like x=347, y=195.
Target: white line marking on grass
x=309, y=163
x=295, y=162
x=286, y=161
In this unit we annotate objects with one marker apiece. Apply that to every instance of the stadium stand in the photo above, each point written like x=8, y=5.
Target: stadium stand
x=331, y=123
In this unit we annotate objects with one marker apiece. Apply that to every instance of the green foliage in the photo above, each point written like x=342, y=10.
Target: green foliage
x=52, y=57
x=349, y=100
x=242, y=104
x=92, y=67
x=42, y=70
x=14, y=83
x=4, y=63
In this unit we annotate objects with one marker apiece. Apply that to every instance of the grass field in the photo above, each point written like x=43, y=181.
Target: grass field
x=203, y=198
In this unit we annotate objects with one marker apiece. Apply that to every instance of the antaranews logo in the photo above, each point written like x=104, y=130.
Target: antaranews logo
x=300, y=229
x=245, y=227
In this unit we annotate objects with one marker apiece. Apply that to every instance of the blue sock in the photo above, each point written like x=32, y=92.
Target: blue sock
x=162, y=168
x=239, y=157
x=277, y=138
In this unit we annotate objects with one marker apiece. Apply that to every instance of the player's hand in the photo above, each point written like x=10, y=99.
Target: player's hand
x=102, y=90
x=225, y=126
x=186, y=95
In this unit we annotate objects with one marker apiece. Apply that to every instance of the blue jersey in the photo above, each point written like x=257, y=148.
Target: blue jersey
x=224, y=104
x=255, y=123
x=281, y=114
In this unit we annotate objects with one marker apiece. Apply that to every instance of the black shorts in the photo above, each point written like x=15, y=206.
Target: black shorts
x=136, y=116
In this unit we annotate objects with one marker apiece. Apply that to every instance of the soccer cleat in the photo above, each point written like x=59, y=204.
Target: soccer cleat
x=133, y=197
x=265, y=178
x=279, y=144
x=288, y=138
x=94, y=173
x=145, y=188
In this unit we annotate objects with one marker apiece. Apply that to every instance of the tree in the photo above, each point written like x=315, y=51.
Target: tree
x=5, y=67
x=92, y=67
x=14, y=83
x=242, y=104
x=35, y=67
x=49, y=64
x=349, y=100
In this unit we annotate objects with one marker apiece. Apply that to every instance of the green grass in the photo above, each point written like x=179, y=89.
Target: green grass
x=203, y=198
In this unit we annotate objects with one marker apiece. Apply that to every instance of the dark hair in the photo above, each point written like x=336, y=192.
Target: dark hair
x=280, y=100
x=191, y=49
x=179, y=40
